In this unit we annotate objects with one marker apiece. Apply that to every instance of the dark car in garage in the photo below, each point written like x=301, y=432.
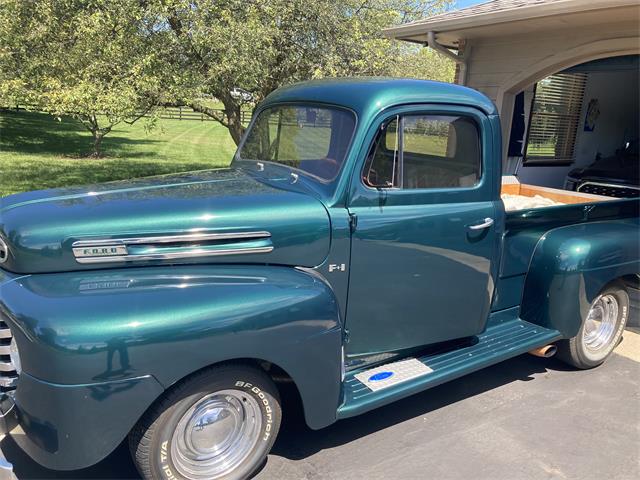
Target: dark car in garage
x=614, y=176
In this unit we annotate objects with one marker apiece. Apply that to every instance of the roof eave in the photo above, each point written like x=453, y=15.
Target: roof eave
x=410, y=31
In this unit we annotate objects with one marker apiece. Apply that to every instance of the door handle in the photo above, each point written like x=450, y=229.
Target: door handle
x=486, y=224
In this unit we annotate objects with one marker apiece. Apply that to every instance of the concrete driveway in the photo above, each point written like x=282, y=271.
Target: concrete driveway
x=527, y=418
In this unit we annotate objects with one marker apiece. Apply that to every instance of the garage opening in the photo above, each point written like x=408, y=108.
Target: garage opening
x=578, y=129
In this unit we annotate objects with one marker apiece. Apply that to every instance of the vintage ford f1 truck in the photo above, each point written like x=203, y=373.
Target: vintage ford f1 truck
x=357, y=248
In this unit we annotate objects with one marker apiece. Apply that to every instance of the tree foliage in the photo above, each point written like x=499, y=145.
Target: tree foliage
x=107, y=61
x=260, y=45
x=96, y=60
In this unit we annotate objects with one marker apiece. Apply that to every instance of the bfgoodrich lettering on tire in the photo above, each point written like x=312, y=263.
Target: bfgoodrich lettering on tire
x=601, y=329
x=217, y=424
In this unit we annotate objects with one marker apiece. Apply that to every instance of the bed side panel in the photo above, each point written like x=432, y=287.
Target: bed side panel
x=571, y=265
x=525, y=228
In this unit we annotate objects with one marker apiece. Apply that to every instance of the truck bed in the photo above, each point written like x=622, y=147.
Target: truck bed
x=512, y=188
x=524, y=228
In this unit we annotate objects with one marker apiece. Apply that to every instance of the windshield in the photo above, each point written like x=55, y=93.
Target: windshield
x=312, y=139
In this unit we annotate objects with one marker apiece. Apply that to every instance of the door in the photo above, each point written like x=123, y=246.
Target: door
x=425, y=248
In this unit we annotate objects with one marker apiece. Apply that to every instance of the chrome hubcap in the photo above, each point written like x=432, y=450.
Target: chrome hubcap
x=600, y=326
x=216, y=435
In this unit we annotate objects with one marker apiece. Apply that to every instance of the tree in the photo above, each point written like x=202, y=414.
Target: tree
x=110, y=61
x=100, y=61
x=260, y=45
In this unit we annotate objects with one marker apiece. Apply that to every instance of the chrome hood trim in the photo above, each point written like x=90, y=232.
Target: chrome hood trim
x=171, y=246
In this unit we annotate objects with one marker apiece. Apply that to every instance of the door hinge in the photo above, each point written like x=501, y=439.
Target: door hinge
x=345, y=336
x=353, y=222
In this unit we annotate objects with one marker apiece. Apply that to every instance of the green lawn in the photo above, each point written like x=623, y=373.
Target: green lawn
x=38, y=151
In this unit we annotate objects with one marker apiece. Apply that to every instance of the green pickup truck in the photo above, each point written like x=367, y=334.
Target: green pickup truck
x=358, y=250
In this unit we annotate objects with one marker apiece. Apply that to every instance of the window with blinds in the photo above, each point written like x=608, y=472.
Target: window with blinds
x=555, y=117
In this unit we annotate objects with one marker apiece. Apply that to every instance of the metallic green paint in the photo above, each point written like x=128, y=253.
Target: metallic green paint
x=525, y=229
x=6, y=277
x=368, y=98
x=87, y=327
x=68, y=427
x=41, y=230
x=508, y=292
x=422, y=246
x=104, y=341
x=571, y=265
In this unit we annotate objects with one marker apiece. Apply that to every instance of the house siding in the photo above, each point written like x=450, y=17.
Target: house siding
x=496, y=65
x=495, y=61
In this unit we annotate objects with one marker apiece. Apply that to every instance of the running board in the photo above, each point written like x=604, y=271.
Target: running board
x=504, y=338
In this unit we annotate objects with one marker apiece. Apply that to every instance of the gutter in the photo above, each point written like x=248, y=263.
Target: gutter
x=443, y=24
x=460, y=60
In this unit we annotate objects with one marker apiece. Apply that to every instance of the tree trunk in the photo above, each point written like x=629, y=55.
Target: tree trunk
x=97, y=142
x=231, y=119
x=236, y=129
x=233, y=111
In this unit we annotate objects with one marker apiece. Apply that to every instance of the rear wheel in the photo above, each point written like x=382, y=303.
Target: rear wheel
x=217, y=424
x=601, y=329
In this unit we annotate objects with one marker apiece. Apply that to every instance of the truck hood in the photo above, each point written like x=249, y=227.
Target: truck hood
x=216, y=216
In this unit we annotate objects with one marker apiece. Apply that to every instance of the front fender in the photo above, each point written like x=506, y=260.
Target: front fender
x=571, y=265
x=167, y=322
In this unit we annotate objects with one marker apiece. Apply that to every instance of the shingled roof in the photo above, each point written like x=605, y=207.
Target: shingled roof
x=493, y=13
x=492, y=6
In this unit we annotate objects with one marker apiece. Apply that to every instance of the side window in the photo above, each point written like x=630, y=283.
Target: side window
x=382, y=169
x=431, y=151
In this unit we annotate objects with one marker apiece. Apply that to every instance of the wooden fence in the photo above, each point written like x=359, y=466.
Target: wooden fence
x=168, y=113
x=187, y=113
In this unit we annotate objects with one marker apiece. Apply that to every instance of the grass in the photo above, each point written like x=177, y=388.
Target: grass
x=38, y=151
x=422, y=144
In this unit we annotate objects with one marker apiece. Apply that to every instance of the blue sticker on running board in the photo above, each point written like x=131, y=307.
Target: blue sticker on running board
x=380, y=376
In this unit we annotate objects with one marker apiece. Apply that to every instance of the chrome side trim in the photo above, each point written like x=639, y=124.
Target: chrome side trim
x=180, y=238
x=193, y=245
x=193, y=253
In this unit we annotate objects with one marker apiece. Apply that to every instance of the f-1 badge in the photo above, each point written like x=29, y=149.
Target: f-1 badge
x=339, y=267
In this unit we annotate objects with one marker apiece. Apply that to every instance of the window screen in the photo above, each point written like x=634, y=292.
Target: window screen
x=555, y=117
x=425, y=151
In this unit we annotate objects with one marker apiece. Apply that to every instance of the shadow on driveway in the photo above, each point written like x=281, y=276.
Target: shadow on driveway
x=297, y=442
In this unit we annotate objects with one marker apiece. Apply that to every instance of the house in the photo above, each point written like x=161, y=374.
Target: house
x=563, y=74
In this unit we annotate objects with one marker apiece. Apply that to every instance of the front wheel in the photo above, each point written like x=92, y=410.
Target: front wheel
x=601, y=329
x=218, y=424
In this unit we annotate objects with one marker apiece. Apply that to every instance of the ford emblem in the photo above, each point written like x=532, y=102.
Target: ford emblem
x=377, y=377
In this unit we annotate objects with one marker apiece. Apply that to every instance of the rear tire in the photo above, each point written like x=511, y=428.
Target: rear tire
x=219, y=423
x=601, y=330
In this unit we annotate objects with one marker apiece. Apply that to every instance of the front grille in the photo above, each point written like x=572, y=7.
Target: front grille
x=609, y=190
x=8, y=373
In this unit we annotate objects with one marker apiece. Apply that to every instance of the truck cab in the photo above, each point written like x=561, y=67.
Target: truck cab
x=358, y=248
x=423, y=218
